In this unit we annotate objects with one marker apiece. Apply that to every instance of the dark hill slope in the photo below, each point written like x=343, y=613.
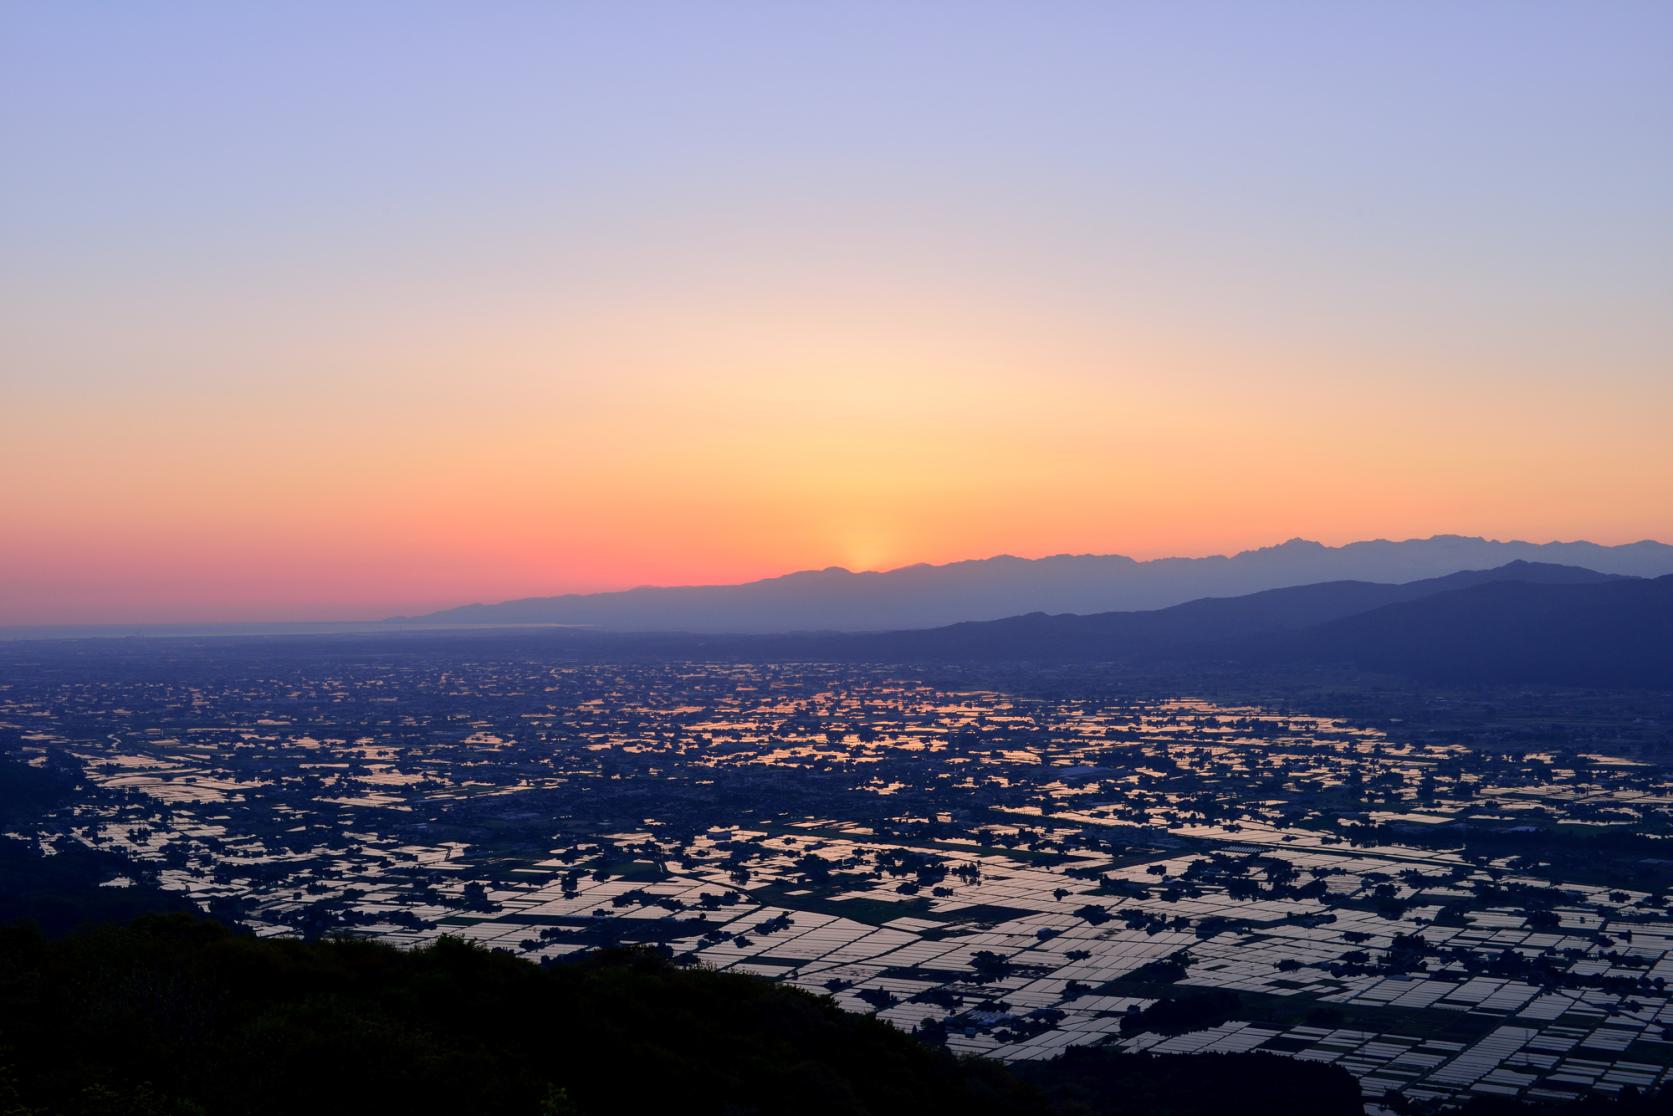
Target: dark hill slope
x=924, y=596
x=63, y=891
x=1520, y=623
x=1611, y=634
x=175, y=1015
x=1209, y=623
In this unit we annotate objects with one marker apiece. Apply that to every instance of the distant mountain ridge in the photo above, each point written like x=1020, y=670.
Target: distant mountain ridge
x=1255, y=625
x=1524, y=622
x=925, y=596
x=1616, y=633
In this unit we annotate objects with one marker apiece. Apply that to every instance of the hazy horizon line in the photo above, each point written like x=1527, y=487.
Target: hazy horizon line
x=278, y=625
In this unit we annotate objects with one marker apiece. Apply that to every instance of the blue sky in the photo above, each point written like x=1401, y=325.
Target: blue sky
x=1443, y=232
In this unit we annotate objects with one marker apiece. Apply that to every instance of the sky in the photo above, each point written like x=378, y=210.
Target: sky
x=339, y=310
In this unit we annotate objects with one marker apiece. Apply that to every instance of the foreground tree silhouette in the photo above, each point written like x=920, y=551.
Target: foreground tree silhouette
x=177, y=1015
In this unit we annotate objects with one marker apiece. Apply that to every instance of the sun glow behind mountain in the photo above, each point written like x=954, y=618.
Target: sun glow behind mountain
x=661, y=297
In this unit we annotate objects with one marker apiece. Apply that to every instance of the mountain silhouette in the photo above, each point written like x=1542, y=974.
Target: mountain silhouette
x=925, y=596
x=1522, y=622
x=1213, y=626
x=1616, y=633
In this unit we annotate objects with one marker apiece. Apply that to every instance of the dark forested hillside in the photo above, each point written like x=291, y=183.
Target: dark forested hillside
x=175, y=1015
x=1617, y=633
x=72, y=886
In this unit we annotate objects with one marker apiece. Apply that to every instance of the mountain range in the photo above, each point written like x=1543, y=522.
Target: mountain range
x=1269, y=625
x=927, y=596
x=1609, y=634
x=1518, y=623
x=1523, y=622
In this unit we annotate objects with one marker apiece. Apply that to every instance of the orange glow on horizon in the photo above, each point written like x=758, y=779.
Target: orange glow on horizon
x=726, y=441
x=704, y=461
x=807, y=289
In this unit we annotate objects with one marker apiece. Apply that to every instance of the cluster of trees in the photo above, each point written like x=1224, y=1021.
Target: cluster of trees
x=179, y=1015
x=1190, y=1011
x=174, y=1015
x=71, y=887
